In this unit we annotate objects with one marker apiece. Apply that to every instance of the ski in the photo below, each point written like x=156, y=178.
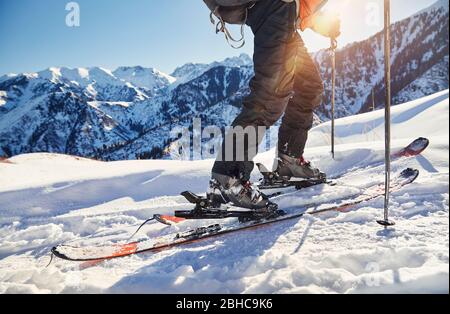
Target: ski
x=272, y=181
x=204, y=210
x=96, y=253
x=417, y=147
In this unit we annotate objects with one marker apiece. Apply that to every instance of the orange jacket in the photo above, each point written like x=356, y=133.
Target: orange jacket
x=307, y=10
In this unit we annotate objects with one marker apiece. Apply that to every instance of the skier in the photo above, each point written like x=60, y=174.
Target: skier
x=286, y=81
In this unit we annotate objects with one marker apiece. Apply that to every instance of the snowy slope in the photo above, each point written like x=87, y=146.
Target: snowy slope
x=46, y=199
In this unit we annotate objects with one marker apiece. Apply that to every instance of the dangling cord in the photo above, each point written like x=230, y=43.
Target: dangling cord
x=51, y=259
x=221, y=28
x=142, y=225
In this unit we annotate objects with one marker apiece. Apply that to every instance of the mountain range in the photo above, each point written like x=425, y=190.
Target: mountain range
x=128, y=113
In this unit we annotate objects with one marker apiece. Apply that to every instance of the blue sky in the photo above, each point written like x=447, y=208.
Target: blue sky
x=162, y=34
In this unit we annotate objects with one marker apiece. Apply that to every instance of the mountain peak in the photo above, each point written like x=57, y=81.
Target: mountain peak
x=75, y=74
x=101, y=71
x=149, y=78
x=190, y=70
x=242, y=60
x=50, y=74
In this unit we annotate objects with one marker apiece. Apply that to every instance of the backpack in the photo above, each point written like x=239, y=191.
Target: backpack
x=231, y=12
x=236, y=12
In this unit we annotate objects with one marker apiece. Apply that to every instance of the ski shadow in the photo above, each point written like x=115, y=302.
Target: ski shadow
x=304, y=237
x=217, y=265
x=426, y=164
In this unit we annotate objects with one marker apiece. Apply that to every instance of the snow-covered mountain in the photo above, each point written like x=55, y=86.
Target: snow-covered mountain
x=191, y=71
x=419, y=52
x=128, y=113
x=149, y=79
x=49, y=199
x=103, y=114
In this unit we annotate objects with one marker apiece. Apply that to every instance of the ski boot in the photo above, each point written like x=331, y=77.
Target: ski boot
x=224, y=189
x=290, y=172
x=297, y=168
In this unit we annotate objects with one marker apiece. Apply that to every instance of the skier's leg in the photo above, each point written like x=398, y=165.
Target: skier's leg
x=276, y=43
x=298, y=119
x=273, y=24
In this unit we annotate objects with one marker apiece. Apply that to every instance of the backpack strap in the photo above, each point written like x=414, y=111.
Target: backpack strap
x=221, y=27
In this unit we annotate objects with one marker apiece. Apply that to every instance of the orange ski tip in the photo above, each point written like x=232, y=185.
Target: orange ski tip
x=173, y=218
x=125, y=249
x=168, y=220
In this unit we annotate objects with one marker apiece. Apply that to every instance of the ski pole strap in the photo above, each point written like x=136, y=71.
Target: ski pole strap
x=222, y=28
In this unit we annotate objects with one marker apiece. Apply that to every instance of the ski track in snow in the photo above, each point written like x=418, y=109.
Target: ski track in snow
x=48, y=199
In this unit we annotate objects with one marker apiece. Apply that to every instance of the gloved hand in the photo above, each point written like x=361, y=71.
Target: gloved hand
x=328, y=25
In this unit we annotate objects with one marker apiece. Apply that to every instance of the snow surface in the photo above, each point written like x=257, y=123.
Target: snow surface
x=47, y=199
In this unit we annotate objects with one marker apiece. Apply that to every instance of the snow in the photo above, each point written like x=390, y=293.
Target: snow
x=48, y=199
x=190, y=71
x=3, y=96
x=431, y=111
x=146, y=78
x=436, y=77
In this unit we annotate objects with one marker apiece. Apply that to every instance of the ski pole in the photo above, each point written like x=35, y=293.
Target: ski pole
x=387, y=66
x=333, y=47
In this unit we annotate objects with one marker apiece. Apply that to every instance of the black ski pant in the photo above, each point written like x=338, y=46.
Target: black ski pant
x=286, y=81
